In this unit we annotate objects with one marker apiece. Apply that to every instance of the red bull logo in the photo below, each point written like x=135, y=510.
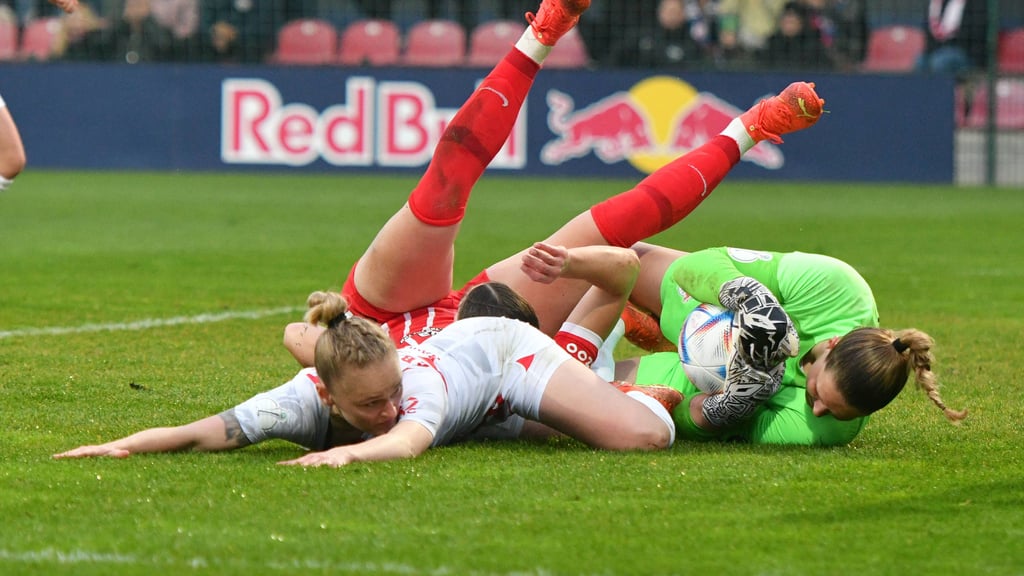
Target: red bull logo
x=393, y=124
x=651, y=124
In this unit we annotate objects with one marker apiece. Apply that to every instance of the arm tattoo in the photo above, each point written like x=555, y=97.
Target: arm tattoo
x=233, y=430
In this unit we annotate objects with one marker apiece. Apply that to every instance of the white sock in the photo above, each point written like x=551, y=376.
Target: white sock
x=738, y=132
x=4, y=183
x=604, y=364
x=658, y=410
x=531, y=47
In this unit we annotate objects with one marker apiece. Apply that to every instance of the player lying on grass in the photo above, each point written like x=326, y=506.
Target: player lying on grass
x=491, y=374
x=845, y=368
x=403, y=280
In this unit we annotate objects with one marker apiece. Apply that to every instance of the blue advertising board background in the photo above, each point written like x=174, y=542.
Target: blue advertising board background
x=168, y=117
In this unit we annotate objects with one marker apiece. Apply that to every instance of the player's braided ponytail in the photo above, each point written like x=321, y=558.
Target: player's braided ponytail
x=872, y=365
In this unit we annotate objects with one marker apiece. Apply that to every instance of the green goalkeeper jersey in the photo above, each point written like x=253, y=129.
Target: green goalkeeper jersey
x=823, y=296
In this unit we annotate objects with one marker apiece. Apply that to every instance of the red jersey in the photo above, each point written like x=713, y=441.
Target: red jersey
x=414, y=326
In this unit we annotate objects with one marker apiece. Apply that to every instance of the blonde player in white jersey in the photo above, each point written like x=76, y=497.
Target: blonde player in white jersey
x=482, y=378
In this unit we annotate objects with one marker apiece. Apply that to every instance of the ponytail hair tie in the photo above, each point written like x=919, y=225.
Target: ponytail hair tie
x=899, y=345
x=337, y=320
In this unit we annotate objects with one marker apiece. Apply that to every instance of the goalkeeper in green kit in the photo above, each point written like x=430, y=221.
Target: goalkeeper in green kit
x=810, y=381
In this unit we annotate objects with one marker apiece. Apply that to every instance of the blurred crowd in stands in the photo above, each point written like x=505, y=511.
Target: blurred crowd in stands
x=689, y=34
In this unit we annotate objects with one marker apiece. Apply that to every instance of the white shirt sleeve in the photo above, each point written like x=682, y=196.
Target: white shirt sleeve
x=292, y=412
x=424, y=399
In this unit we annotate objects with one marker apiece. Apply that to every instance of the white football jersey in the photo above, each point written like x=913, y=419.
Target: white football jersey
x=475, y=374
x=292, y=411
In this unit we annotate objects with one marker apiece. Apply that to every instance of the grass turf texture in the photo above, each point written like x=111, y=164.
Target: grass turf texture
x=913, y=494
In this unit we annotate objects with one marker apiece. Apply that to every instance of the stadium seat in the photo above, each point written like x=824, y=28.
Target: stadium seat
x=491, y=40
x=8, y=39
x=306, y=41
x=570, y=52
x=39, y=39
x=893, y=49
x=1009, y=106
x=1011, y=51
x=435, y=43
x=369, y=41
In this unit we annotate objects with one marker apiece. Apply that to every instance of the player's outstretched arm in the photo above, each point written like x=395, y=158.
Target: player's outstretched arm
x=213, y=433
x=406, y=440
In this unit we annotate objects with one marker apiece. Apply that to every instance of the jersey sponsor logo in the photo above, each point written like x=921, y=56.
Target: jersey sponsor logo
x=414, y=357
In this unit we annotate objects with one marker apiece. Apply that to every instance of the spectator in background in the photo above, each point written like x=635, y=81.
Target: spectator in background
x=181, y=19
x=843, y=26
x=31, y=9
x=468, y=13
x=745, y=26
x=243, y=31
x=667, y=42
x=956, y=34
x=796, y=44
x=138, y=37
x=84, y=36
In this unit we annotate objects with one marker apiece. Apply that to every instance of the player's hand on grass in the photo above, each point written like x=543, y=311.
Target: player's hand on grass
x=94, y=451
x=335, y=458
x=545, y=263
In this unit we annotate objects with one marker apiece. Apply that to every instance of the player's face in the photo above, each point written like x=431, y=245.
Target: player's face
x=368, y=398
x=823, y=395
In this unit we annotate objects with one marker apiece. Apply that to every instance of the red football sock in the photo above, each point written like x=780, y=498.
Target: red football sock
x=471, y=140
x=666, y=196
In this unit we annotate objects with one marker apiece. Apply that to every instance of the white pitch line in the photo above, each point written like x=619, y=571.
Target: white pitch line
x=149, y=323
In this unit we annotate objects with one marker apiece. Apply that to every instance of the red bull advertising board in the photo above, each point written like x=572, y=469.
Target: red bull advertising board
x=574, y=123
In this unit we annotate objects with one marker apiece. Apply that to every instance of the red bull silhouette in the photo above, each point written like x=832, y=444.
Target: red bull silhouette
x=612, y=128
x=708, y=116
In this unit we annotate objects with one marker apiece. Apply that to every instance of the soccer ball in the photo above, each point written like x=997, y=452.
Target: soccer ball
x=705, y=345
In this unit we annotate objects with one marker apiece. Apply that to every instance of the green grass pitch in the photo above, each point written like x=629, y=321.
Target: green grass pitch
x=137, y=300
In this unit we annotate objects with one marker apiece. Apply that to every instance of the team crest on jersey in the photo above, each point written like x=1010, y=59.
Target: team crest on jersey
x=419, y=336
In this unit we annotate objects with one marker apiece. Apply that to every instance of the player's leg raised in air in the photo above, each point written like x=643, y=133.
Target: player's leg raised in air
x=661, y=199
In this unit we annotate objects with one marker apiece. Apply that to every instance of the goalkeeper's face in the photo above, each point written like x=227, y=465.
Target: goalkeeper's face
x=823, y=393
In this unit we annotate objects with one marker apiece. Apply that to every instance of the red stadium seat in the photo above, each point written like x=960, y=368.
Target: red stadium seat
x=893, y=49
x=1011, y=51
x=39, y=39
x=570, y=52
x=307, y=41
x=373, y=42
x=1009, y=106
x=435, y=43
x=491, y=40
x=8, y=39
